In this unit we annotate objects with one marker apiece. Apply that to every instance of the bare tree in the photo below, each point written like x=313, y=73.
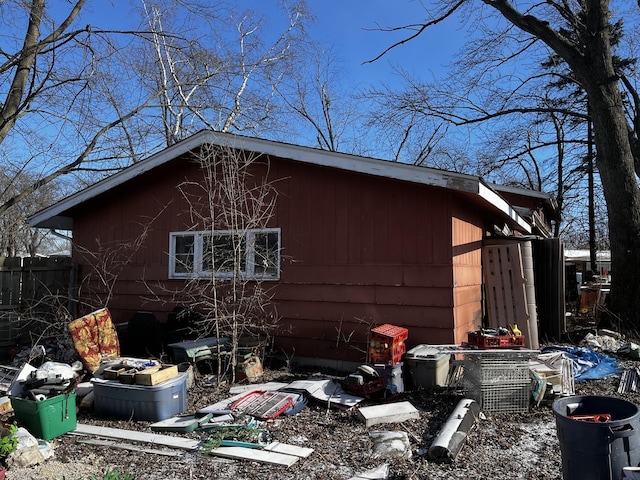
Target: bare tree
x=16, y=239
x=410, y=132
x=225, y=79
x=82, y=102
x=55, y=110
x=588, y=52
x=322, y=111
x=227, y=254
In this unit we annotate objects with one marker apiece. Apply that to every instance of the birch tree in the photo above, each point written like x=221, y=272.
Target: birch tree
x=226, y=79
x=82, y=101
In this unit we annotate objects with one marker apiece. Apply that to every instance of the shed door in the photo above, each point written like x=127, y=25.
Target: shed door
x=504, y=285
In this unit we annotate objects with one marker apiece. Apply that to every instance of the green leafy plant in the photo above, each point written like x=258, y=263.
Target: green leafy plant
x=8, y=441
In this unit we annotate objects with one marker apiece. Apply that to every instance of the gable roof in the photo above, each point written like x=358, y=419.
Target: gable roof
x=56, y=216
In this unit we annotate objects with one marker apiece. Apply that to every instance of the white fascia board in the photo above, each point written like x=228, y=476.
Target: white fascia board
x=501, y=204
x=352, y=163
x=45, y=216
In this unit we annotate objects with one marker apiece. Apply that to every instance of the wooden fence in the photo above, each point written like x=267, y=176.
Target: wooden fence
x=27, y=287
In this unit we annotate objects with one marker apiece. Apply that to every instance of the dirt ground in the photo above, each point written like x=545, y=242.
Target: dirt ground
x=501, y=446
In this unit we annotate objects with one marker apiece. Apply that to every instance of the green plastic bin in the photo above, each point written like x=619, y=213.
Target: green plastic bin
x=48, y=418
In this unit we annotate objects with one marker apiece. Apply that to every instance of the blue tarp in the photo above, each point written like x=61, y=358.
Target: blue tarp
x=587, y=364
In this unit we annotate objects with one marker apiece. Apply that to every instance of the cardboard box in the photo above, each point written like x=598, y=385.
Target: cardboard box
x=156, y=375
x=140, y=402
x=48, y=418
x=428, y=367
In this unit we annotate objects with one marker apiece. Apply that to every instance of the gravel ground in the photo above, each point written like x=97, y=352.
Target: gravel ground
x=502, y=446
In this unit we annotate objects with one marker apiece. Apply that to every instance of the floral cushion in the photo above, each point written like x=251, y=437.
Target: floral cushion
x=95, y=338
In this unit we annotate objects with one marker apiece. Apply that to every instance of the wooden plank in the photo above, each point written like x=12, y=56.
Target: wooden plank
x=287, y=449
x=254, y=455
x=121, y=434
x=275, y=453
x=505, y=285
x=154, y=376
x=131, y=447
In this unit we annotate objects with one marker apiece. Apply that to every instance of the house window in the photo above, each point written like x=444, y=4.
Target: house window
x=255, y=254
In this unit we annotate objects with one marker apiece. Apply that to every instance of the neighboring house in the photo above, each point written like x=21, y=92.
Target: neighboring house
x=540, y=209
x=353, y=242
x=581, y=258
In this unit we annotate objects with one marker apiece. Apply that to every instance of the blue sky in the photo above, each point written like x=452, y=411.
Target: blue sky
x=352, y=29
x=348, y=26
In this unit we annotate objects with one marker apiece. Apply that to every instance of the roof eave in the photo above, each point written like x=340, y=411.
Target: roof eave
x=54, y=216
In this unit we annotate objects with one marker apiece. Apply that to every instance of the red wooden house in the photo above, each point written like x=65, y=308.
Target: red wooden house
x=352, y=242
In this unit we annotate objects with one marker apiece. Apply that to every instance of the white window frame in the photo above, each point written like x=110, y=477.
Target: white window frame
x=249, y=273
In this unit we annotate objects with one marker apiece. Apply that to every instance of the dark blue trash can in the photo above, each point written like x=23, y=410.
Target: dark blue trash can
x=600, y=448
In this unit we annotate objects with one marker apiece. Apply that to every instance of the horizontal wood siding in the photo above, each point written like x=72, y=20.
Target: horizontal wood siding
x=357, y=251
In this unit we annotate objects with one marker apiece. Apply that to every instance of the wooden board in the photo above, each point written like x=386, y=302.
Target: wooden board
x=128, y=376
x=113, y=372
x=255, y=455
x=266, y=387
x=131, y=447
x=156, y=375
x=132, y=435
x=388, y=413
x=181, y=424
x=505, y=285
x=302, y=452
x=274, y=453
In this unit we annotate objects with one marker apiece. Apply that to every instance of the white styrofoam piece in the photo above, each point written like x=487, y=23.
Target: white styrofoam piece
x=379, y=473
x=16, y=387
x=388, y=413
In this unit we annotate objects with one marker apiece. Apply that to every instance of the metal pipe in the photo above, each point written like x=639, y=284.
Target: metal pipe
x=451, y=438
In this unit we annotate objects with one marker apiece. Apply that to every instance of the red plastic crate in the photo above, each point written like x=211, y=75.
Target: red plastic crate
x=495, y=341
x=389, y=356
x=389, y=334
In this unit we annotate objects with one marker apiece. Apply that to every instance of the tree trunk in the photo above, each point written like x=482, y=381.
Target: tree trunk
x=616, y=166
